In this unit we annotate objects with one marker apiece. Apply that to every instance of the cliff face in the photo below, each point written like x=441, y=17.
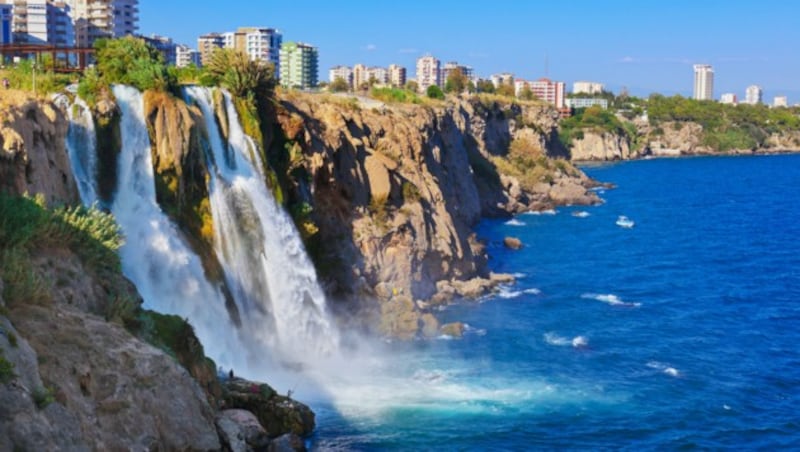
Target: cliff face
x=33, y=158
x=600, y=146
x=396, y=189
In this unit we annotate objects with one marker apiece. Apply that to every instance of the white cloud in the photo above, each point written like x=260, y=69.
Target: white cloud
x=627, y=59
x=371, y=47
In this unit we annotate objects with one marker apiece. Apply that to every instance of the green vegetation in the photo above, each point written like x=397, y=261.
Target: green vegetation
x=528, y=163
x=456, y=82
x=506, y=90
x=411, y=192
x=339, y=85
x=22, y=77
x=485, y=86
x=6, y=369
x=43, y=397
x=725, y=127
x=593, y=118
x=395, y=95
x=434, y=92
x=241, y=76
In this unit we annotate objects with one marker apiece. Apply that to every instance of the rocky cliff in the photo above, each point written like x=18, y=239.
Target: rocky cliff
x=394, y=190
x=600, y=146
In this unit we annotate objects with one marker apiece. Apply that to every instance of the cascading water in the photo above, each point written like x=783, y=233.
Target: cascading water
x=272, y=280
x=81, y=146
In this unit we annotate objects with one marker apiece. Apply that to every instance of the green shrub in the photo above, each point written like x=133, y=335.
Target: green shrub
x=410, y=192
x=43, y=397
x=6, y=369
x=395, y=95
x=434, y=92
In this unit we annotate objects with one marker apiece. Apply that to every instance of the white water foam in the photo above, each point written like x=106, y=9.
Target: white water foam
x=581, y=214
x=664, y=368
x=541, y=212
x=611, y=299
x=515, y=222
x=82, y=150
x=576, y=342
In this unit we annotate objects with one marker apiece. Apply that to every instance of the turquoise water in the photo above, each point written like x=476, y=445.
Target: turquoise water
x=681, y=332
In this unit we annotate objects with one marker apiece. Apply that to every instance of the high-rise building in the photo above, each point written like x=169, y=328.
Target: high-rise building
x=207, y=44
x=260, y=44
x=728, y=98
x=397, y=75
x=342, y=72
x=95, y=19
x=506, y=78
x=166, y=46
x=451, y=66
x=186, y=56
x=60, y=29
x=378, y=75
x=554, y=93
x=587, y=87
x=360, y=76
x=780, y=101
x=703, y=82
x=29, y=22
x=298, y=65
x=6, y=21
x=753, y=95
x=428, y=72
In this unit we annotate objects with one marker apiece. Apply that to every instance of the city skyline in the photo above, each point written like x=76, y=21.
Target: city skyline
x=646, y=48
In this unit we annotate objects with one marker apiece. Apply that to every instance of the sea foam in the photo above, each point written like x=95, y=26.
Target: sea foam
x=611, y=299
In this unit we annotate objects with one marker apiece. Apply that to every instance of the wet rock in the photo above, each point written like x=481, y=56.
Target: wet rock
x=430, y=326
x=241, y=431
x=455, y=329
x=512, y=243
x=287, y=443
x=278, y=415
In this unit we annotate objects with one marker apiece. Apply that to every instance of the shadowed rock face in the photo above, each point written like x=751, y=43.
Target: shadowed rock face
x=33, y=158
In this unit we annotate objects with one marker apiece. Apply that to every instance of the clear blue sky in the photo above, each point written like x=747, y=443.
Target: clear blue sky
x=644, y=45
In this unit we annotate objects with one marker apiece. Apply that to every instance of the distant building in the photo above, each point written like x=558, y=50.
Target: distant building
x=753, y=95
x=29, y=22
x=428, y=72
x=397, y=75
x=165, y=46
x=342, y=72
x=554, y=93
x=703, y=82
x=451, y=66
x=780, y=101
x=728, y=98
x=95, y=19
x=360, y=76
x=260, y=44
x=299, y=64
x=578, y=102
x=207, y=44
x=505, y=78
x=587, y=87
x=186, y=56
x=6, y=21
x=379, y=75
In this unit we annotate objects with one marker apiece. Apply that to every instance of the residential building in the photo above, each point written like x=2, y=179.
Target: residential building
x=703, y=82
x=378, y=75
x=29, y=21
x=586, y=102
x=780, y=101
x=299, y=64
x=165, y=46
x=360, y=76
x=6, y=22
x=587, y=87
x=397, y=75
x=554, y=93
x=506, y=78
x=60, y=29
x=260, y=44
x=451, y=66
x=753, y=95
x=728, y=98
x=186, y=56
x=342, y=72
x=428, y=72
x=207, y=44
x=95, y=19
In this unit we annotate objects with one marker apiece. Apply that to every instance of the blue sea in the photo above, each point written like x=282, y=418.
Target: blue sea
x=682, y=332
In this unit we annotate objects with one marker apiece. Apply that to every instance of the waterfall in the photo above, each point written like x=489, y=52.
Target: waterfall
x=270, y=275
x=81, y=147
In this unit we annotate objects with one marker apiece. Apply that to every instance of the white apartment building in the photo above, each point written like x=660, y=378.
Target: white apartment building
x=577, y=102
x=397, y=75
x=360, y=76
x=186, y=56
x=95, y=19
x=505, y=78
x=428, y=72
x=29, y=21
x=166, y=46
x=753, y=95
x=6, y=23
x=379, y=74
x=780, y=101
x=342, y=72
x=451, y=66
x=728, y=98
x=587, y=87
x=703, y=82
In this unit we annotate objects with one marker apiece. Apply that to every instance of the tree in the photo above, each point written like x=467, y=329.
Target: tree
x=240, y=75
x=505, y=89
x=412, y=86
x=130, y=61
x=456, y=81
x=434, y=92
x=339, y=85
x=485, y=86
x=527, y=94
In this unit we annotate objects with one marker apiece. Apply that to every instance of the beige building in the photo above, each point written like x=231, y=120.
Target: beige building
x=587, y=87
x=505, y=78
x=780, y=101
x=360, y=75
x=397, y=75
x=95, y=19
x=207, y=44
x=428, y=72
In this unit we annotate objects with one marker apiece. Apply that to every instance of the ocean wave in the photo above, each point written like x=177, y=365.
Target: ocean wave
x=664, y=368
x=532, y=291
x=519, y=275
x=507, y=293
x=581, y=214
x=577, y=341
x=541, y=212
x=611, y=299
x=515, y=222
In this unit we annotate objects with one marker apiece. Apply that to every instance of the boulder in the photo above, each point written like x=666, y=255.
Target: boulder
x=278, y=415
x=287, y=443
x=399, y=318
x=430, y=326
x=455, y=329
x=241, y=431
x=512, y=243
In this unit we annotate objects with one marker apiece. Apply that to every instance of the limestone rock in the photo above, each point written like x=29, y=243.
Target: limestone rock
x=278, y=415
x=512, y=243
x=600, y=146
x=241, y=431
x=287, y=443
x=399, y=318
x=453, y=329
x=430, y=326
